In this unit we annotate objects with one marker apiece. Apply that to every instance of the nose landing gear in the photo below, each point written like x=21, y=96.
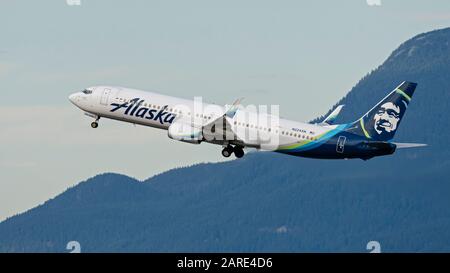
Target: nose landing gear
x=95, y=123
x=237, y=150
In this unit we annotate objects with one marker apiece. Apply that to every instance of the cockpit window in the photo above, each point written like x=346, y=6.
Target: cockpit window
x=86, y=91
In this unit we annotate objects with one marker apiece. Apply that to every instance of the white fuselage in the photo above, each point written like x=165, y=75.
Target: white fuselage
x=160, y=111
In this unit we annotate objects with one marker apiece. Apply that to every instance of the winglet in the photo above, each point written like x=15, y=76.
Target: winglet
x=329, y=120
x=233, y=108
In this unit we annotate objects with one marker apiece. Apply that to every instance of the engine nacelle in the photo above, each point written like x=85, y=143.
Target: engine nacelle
x=185, y=132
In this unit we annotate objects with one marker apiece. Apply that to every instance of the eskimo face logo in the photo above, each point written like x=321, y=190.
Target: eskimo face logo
x=387, y=118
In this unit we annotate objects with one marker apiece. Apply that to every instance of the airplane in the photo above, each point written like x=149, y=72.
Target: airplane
x=235, y=128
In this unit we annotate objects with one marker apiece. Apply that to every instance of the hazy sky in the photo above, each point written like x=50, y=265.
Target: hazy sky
x=302, y=55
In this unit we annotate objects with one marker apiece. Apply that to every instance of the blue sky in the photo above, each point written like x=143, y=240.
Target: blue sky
x=301, y=55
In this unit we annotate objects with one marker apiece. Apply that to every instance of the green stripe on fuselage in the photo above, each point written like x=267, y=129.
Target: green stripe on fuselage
x=309, y=144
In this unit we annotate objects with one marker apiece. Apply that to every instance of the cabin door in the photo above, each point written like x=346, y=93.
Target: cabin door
x=105, y=96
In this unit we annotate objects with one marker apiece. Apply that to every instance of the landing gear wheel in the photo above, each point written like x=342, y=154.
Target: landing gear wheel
x=238, y=152
x=94, y=124
x=227, y=151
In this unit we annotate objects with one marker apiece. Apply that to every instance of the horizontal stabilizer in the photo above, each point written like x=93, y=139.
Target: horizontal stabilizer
x=409, y=145
x=329, y=120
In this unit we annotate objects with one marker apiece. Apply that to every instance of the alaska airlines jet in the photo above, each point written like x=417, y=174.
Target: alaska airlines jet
x=235, y=128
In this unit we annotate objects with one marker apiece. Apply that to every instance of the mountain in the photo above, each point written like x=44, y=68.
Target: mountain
x=269, y=202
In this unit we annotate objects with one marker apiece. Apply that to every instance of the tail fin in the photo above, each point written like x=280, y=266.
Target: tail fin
x=383, y=120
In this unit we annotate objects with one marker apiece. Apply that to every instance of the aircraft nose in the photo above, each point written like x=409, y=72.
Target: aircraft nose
x=73, y=98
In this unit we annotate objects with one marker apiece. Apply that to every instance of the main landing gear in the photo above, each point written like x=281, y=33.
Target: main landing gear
x=237, y=150
x=95, y=123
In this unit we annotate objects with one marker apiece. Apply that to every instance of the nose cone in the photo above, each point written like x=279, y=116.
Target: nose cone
x=73, y=98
